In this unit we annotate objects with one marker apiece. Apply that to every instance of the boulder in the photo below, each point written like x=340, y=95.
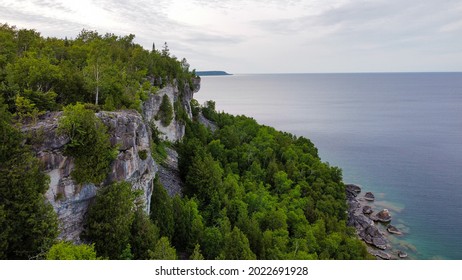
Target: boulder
x=373, y=236
x=382, y=216
x=382, y=255
x=402, y=254
x=393, y=229
x=353, y=189
x=367, y=210
x=369, y=196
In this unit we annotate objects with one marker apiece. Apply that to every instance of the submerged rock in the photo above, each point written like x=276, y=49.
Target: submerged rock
x=402, y=254
x=394, y=230
x=369, y=196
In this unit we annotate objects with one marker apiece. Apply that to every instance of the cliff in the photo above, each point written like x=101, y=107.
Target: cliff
x=130, y=133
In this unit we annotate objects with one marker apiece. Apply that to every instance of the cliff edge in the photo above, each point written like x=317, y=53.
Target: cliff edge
x=130, y=132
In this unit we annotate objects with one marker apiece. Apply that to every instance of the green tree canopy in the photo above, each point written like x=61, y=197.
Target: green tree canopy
x=29, y=224
x=68, y=251
x=89, y=144
x=110, y=220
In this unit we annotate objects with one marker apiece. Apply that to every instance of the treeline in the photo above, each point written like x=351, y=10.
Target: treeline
x=40, y=74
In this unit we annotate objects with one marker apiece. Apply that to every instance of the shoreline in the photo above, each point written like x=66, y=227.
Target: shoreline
x=374, y=226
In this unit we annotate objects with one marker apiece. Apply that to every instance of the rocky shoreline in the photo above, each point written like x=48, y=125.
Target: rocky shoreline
x=366, y=221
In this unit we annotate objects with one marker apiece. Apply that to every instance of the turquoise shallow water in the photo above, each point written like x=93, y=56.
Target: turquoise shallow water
x=398, y=135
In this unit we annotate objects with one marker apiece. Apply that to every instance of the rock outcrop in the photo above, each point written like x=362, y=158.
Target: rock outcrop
x=175, y=130
x=130, y=133
x=372, y=228
x=71, y=200
x=365, y=227
x=169, y=174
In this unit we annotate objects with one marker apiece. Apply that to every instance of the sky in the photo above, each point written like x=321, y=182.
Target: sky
x=267, y=36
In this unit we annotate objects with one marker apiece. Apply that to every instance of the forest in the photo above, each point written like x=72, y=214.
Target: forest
x=250, y=191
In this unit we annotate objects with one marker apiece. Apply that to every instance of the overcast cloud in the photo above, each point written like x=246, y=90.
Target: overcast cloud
x=263, y=36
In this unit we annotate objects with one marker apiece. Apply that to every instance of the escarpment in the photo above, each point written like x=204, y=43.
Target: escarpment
x=131, y=133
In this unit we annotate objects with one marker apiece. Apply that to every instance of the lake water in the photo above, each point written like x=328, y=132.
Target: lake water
x=398, y=135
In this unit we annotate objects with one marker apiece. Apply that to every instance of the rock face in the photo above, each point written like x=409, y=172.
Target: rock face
x=130, y=133
x=169, y=174
x=71, y=200
x=175, y=130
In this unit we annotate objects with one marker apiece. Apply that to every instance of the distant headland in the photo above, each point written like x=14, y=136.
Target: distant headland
x=212, y=73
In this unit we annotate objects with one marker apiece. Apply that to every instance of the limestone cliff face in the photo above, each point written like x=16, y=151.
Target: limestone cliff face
x=175, y=131
x=129, y=132
x=71, y=200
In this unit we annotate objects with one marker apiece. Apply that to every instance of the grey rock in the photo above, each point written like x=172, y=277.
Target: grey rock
x=367, y=210
x=382, y=255
x=382, y=216
x=130, y=132
x=169, y=174
x=353, y=189
x=369, y=196
x=394, y=230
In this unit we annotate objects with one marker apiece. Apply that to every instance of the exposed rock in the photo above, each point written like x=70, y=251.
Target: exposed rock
x=130, y=133
x=208, y=123
x=175, y=130
x=382, y=216
x=70, y=200
x=393, y=229
x=169, y=174
x=369, y=196
x=365, y=227
x=381, y=255
x=367, y=210
x=353, y=189
x=402, y=254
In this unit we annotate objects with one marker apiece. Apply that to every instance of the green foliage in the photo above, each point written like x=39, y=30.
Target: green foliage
x=89, y=144
x=164, y=250
x=29, y=224
x=68, y=251
x=107, y=70
x=110, y=220
x=162, y=209
x=165, y=114
x=237, y=246
x=209, y=110
x=144, y=236
x=143, y=154
x=269, y=187
x=196, y=254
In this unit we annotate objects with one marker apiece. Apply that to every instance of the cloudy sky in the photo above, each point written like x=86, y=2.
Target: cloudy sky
x=268, y=36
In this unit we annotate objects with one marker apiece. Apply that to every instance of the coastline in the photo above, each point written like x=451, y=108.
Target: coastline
x=374, y=226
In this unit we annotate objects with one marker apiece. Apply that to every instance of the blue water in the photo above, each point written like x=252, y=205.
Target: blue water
x=398, y=135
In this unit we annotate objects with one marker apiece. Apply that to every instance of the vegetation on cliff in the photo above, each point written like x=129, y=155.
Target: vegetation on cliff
x=250, y=192
x=40, y=74
x=263, y=193
x=28, y=225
